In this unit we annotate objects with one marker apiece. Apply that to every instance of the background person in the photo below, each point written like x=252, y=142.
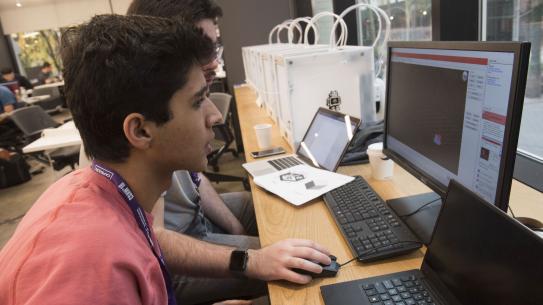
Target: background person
x=9, y=76
x=46, y=74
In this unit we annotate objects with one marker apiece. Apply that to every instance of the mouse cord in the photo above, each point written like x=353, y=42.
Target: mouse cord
x=383, y=246
x=511, y=210
x=419, y=209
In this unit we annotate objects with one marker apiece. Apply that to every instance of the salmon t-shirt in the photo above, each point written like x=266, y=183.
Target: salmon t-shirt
x=80, y=244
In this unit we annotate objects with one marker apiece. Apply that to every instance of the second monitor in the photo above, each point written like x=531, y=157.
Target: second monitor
x=453, y=112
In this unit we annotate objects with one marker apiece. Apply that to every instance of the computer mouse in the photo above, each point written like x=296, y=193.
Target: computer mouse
x=327, y=270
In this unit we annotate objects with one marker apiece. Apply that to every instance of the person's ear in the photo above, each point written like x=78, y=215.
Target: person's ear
x=138, y=131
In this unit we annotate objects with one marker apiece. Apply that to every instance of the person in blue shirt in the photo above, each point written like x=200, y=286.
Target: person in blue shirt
x=8, y=101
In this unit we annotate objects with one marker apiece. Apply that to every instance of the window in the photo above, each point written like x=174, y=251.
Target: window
x=521, y=20
x=410, y=20
x=34, y=48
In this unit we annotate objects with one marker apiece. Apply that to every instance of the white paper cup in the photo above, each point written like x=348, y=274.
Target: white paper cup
x=263, y=135
x=382, y=168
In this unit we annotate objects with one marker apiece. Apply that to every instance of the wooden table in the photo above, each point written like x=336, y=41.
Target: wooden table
x=279, y=220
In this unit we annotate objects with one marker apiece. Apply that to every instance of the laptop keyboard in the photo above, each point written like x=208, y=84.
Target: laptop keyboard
x=404, y=290
x=371, y=228
x=285, y=162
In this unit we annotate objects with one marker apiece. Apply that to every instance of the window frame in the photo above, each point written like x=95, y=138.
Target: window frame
x=528, y=168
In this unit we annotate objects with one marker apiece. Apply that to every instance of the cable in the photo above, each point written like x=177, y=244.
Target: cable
x=352, y=259
x=382, y=246
x=342, y=40
x=511, y=210
x=419, y=209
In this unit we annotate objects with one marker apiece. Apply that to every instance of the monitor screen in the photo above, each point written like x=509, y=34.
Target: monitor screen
x=482, y=255
x=327, y=138
x=449, y=113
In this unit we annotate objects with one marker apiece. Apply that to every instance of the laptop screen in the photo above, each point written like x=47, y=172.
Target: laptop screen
x=482, y=255
x=327, y=138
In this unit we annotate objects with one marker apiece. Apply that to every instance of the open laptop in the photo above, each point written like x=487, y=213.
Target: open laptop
x=478, y=255
x=323, y=145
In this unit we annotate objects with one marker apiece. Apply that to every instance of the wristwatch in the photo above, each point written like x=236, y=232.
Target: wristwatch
x=238, y=262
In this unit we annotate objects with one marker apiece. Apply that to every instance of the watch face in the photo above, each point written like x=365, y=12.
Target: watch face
x=238, y=260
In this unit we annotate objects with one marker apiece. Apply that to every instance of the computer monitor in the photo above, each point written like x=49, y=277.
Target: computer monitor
x=453, y=111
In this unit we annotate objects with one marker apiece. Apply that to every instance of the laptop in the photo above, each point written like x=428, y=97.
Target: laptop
x=478, y=255
x=323, y=145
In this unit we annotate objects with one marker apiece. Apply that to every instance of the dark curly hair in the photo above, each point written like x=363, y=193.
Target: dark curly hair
x=190, y=11
x=116, y=65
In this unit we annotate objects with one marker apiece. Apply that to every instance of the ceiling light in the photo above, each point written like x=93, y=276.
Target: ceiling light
x=18, y=4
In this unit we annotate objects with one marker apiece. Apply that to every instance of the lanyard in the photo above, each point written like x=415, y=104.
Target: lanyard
x=139, y=215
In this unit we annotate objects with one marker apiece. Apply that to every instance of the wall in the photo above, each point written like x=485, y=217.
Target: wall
x=6, y=60
x=246, y=23
x=57, y=14
x=120, y=6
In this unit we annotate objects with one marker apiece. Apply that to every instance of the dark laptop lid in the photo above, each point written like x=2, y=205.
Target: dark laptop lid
x=327, y=138
x=482, y=255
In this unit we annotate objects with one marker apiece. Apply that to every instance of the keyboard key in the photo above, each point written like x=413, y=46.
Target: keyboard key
x=374, y=299
x=405, y=295
x=368, y=286
x=388, y=284
x=380, y=288
x=384, y=297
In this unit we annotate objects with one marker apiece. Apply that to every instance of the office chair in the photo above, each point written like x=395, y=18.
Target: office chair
x=54, y=103
x=223, y=133
x=222, y=129
x=32, y=121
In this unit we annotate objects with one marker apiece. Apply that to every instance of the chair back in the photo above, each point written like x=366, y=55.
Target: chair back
x=53, y=91
x=32, y=120
x=222, y=102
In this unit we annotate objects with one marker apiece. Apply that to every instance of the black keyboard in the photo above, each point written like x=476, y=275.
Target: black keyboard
x=404, y=290
x=371, y=228
x=285, y=162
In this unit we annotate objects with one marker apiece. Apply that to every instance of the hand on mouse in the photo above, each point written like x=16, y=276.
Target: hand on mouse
x=275, y=262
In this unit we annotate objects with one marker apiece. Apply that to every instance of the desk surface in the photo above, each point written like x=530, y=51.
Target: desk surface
x=279, y=220
x=63, y=136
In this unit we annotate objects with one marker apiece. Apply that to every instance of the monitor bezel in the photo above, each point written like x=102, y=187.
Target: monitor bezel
x=521, y=51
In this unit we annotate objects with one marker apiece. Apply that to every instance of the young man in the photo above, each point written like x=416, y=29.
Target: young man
x=8, y=101
x=137, y=95
x=9, y=76
x=46, y=74
x=199, y=272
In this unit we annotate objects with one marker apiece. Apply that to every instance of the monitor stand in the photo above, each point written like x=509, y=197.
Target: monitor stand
x=422, y=222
